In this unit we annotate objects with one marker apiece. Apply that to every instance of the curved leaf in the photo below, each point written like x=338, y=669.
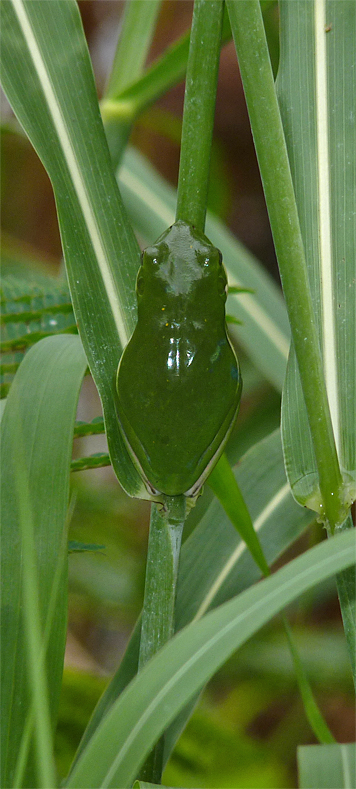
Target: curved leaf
x=180, y=669
x=55, y=100
x=37, y=432
x=215, y=563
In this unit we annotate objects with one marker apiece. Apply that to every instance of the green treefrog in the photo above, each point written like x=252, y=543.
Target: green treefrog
x=178, y=381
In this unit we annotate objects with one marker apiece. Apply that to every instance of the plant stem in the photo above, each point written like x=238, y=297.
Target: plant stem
x=159, y=599
x=199, y=109
x=256, y=73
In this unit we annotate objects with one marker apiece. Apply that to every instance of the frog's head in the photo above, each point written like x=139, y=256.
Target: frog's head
x=183, y=268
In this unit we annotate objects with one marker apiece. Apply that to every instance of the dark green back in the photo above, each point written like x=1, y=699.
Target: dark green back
x=178, y=382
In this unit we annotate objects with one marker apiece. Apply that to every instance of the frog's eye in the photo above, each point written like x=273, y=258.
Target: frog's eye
x=151, y=255
x=140, y=285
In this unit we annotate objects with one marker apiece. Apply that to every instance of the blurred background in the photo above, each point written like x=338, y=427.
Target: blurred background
x=250, y=719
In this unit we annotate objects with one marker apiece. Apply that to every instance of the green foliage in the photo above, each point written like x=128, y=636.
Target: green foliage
x=74, y=546
x=219, y=605
x=170, y=679
x=322, y=155
x=93, y=428
x=31, y=309
x=329, y=765
x=36, y=446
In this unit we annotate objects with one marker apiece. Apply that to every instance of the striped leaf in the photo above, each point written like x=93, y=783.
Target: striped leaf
x=31, y=309
x=216, y=564
x=37, y=428
x=316, y=88
x=327, y=766
x=55, y=100
x=168, y=681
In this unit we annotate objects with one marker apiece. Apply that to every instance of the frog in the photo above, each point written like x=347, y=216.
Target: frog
x=178, y=382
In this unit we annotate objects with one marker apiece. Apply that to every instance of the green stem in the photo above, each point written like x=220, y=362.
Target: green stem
x=199, y=109
x=256, y=73
x=159, y=599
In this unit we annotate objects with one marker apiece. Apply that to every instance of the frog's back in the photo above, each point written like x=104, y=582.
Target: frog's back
x=178, y=381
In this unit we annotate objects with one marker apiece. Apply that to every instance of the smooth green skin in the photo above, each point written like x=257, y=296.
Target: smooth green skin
x=178, y=383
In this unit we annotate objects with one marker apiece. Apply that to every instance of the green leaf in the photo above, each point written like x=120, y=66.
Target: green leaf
x=266, y=126
x=264, y=333
x=32, y=308
x=328, y=766
x=315, y=718
x=74, y=546
x=346, y=588
x=316, y=89
x=98, y=460
x=159, y=77
x=180, y=669
x=216, y=564
x=135, y=39
x=93, y=428
x=55, y=100
x=37, y=431
x=224, y=485
x=145, y=785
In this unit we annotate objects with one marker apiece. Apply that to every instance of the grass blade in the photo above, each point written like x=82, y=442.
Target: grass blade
x=256, y=73
x=216, y=564
x=37, y=681
x=171, y=678
x=223, y=483
x=43, y=401
x=316, y=90
x=135, y=38
x=327, y=766
x=55, y=100
x=315, y=718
